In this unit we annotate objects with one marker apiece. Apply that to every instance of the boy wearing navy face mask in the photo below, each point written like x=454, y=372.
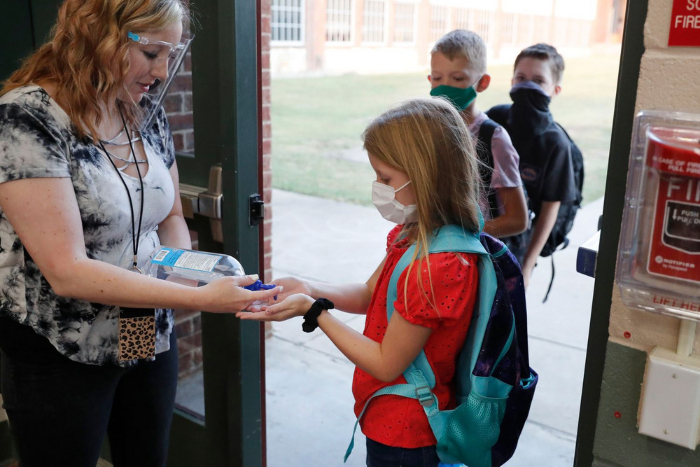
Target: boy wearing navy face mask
x=546, y=166
x=458, y=73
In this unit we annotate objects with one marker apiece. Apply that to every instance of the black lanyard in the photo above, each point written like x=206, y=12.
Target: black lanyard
x=135, y=235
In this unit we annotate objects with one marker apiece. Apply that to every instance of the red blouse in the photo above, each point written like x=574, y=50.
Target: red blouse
x=399, y=421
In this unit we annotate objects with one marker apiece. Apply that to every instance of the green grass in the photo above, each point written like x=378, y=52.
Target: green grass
x=316, y=121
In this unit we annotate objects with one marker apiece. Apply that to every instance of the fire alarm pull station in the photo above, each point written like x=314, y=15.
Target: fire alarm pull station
x=658, y=265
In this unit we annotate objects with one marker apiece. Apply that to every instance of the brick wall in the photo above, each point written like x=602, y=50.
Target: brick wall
x=265, y=36
x=188, y=329
x=178, y=106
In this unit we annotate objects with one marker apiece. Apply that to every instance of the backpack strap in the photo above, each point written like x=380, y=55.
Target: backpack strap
x=500, y=114
x=419, y=375
x=484, y=149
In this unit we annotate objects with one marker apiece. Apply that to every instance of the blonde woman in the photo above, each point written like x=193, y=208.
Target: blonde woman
x=427, y=177
x=88, y=190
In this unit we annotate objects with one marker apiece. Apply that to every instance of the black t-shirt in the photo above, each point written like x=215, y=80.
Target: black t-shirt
x=546, y=167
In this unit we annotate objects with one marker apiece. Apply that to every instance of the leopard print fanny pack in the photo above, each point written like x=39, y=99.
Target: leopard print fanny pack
x=137, y=333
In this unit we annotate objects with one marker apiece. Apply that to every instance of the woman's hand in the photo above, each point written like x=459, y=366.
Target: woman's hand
x=291, y=286
x=227, y=294
x=293, y=305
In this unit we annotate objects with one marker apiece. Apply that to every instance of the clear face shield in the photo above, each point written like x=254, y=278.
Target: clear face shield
x=158, y=51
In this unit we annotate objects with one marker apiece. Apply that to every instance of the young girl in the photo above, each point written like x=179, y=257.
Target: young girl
x=427, y=177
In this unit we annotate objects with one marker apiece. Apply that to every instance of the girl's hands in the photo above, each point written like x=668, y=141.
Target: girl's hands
x=227, y=295
x=293, y=305
x=292, y=286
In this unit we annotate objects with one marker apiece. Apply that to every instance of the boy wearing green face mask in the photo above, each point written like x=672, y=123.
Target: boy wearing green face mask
x=458, y=73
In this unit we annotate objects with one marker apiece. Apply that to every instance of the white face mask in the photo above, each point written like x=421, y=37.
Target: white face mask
x=384, y=198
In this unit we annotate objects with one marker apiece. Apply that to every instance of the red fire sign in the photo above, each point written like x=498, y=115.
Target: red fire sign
x=685, y=23
x=675, y=243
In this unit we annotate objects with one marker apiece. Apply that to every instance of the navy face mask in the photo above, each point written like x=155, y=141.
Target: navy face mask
x=530, y=94
x=529, y=114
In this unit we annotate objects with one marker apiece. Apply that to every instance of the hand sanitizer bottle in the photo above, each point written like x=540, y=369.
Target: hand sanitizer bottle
x=195, y=267
x=199, y=266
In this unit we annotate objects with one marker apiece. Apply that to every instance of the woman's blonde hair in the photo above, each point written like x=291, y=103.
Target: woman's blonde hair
x=87, y=55
x=429, y=140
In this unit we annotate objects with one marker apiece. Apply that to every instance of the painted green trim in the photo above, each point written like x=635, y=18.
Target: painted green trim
x=44, y=15
x=16, y=38
x=632, y=51
x=617, y=440
x=191, y=167
x=6, y=443
x=247, y=240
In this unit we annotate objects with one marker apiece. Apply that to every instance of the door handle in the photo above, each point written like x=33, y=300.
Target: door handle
x=205, y=201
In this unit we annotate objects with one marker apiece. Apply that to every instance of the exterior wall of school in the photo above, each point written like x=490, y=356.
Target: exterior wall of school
x=506, y=26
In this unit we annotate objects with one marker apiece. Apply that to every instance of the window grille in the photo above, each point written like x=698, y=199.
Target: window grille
x=439, y=17
x=373, y=24
x=526, y=29
x=509, y=28
x=541, y=33
x=404, y=22
x=462, y=18
x=339, y=21
x=560, y=28
x=482, y=21
x=287, y=21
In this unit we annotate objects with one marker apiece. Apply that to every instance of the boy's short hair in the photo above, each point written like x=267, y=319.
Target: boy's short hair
x=466, y=44
x=544, y=52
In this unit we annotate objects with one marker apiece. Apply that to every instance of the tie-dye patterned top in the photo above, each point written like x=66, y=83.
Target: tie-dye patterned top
x=37, y=140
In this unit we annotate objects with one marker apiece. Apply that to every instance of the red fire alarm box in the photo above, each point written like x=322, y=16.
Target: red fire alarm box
x=659, y=258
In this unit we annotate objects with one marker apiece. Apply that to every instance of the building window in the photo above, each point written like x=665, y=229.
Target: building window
x=439, y=17
x=339, y=21
x=404, y=22
x=483, y=19
x=373, y=24
x=541, y=30
x=509, y=28
x=287, y=21
x=526, y=29
x=462, y=18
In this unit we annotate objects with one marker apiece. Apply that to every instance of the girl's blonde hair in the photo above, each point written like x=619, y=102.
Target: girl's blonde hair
x=429, y=140
x=87, y=55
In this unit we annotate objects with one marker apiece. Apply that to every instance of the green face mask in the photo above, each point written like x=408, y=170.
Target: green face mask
x=460, y=97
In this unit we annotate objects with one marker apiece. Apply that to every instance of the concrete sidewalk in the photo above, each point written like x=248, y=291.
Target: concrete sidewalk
x=309, y=399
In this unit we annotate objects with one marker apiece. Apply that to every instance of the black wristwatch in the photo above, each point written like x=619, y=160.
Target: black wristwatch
x=311, y=317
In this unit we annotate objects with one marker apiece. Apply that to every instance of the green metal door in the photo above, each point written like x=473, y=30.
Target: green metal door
x=214, y=113
x=225, y=97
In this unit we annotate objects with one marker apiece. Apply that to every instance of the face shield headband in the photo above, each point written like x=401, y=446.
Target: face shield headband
x=174, y=54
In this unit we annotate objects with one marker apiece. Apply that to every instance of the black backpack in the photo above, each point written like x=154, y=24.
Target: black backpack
x=483, y=149
x=568, y=210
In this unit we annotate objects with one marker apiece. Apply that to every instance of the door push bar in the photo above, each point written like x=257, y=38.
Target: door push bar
x=207, y=202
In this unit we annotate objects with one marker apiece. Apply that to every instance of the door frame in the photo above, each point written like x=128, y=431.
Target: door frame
x=616, y=182
x=227, y=115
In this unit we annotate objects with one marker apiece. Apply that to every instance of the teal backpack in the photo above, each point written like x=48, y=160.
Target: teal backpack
x=494, y=382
